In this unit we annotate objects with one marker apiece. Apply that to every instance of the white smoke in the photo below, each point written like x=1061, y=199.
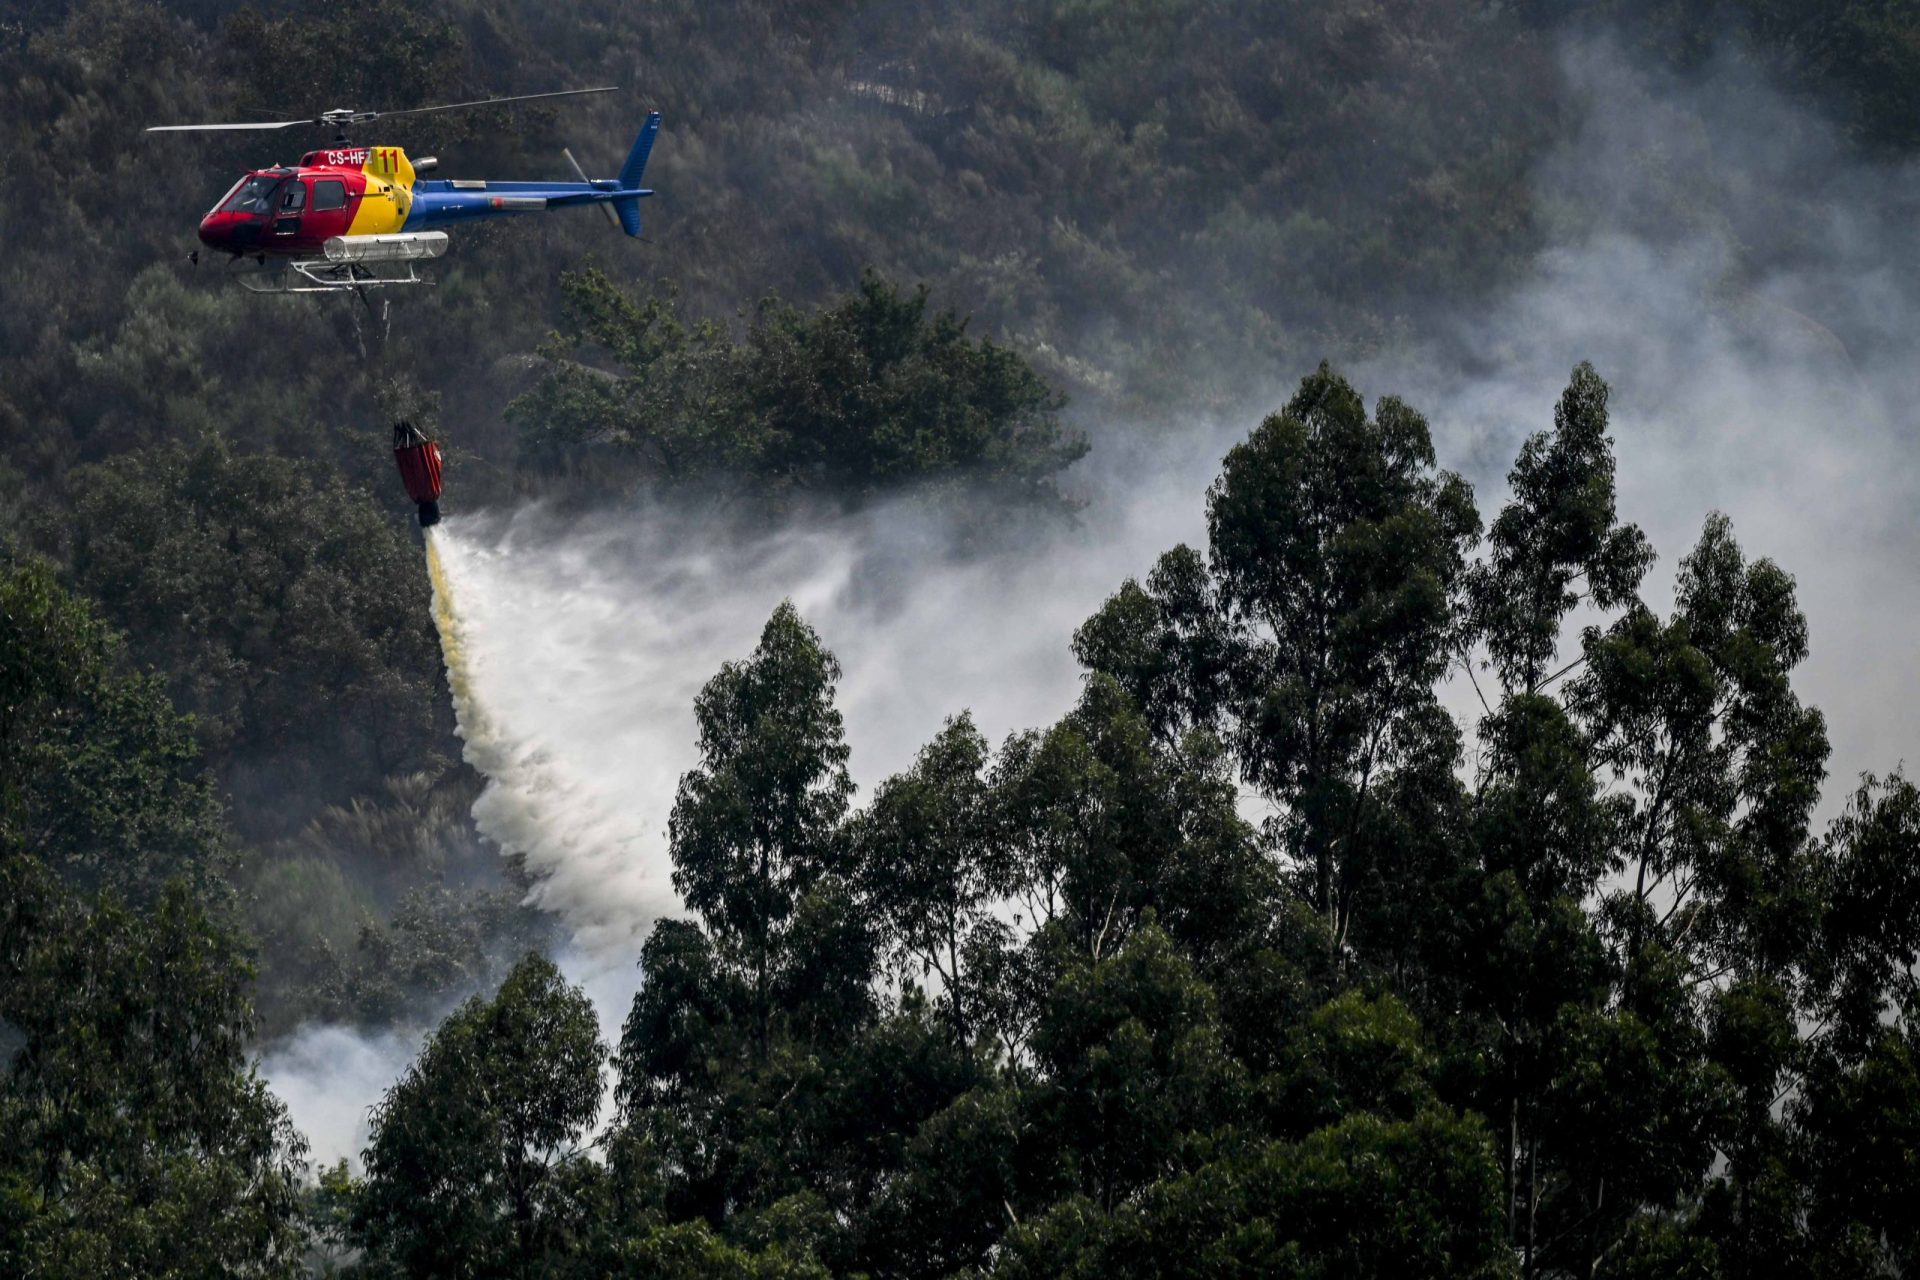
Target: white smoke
x=330, y=1079
x=1749, y=289
x=584, y=642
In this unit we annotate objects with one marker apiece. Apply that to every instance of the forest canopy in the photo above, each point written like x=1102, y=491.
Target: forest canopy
x=1597, y=1000
x=1597, y=997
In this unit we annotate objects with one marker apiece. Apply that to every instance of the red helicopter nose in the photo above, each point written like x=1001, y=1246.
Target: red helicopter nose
x=230, y=231
x=216, y=231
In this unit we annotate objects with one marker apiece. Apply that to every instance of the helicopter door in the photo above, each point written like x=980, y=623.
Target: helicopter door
x=327, y=211
x=289, y=204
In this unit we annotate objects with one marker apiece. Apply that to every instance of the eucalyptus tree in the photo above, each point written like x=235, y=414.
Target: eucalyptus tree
x=1168, y=643
x=1557, y=543
x=1339, y=549
x=755, y=832
x=1698, y=715
x=1649, y=819
x=1137, y=1070
x=731, y=1054
x=1106, y=824
x=934, y=861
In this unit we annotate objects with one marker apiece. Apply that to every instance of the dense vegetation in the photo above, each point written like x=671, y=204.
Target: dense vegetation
x=851, y=401
x=1598, y=1001
x=1590, y=995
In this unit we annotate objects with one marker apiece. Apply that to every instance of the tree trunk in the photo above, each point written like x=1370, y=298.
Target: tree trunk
x=1533, y=1196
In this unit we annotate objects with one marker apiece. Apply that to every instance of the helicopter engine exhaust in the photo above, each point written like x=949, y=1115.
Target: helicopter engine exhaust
x=399, y=247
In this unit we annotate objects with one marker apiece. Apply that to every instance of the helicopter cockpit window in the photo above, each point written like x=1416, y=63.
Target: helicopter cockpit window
x=293, y=198
x=329, y=193
x=252, y=195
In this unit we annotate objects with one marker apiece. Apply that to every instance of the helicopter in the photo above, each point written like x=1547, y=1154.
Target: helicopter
x=350, y=217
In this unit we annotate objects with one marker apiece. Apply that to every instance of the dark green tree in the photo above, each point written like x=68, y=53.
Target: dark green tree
x=1105, y=825
x=1367, y=1197
x=933, y=861
x=687, y=1043
x=135, y=1136
x=1339, y=549
x=474, y=1161
x=1168, y=643
x=1861, y=1120
x=288, y=611
x=756, y=844
x=1860, y=964
x=860, y=395
x=1556, y=543
x=1137, y=1071
x=100, y=777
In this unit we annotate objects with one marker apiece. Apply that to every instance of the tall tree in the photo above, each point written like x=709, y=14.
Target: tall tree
x=1557, y=542
x=1339, y=549
x=1698, y=713
x=1168, y=643
x=1105, y=825
x=933, y=862
x=755, y=827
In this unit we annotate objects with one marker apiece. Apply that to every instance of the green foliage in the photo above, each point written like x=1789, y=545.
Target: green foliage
x=1557, y=533
x=1136, y=1065
x=1549, y=1031
x=290, y=615
x=1863, y=1124
x=1857, y=58
x=99, y=776
x=1604, y=1004
x=866, y=393
x=1366, y=1197
x=1699, y=714
x=1339, y=548
x=691, y=1251
x=933, y=860
x=755, y=843
x=1353, y=1054
x=471, y=1162
x=1869, y=940
x=134, y=1137
x=1167, y=644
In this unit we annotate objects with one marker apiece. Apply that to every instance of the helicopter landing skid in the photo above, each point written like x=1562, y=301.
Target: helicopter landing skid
x=318, y=275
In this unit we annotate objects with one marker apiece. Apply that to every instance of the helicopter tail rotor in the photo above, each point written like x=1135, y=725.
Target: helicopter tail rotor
x=612, y=217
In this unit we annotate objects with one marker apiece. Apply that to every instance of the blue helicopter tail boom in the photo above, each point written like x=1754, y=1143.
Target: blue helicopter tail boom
x=439, y=202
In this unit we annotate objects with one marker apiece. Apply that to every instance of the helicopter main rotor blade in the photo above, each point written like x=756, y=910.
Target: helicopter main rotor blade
x=339, y=119
x=208, y=128
x=486, y=102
